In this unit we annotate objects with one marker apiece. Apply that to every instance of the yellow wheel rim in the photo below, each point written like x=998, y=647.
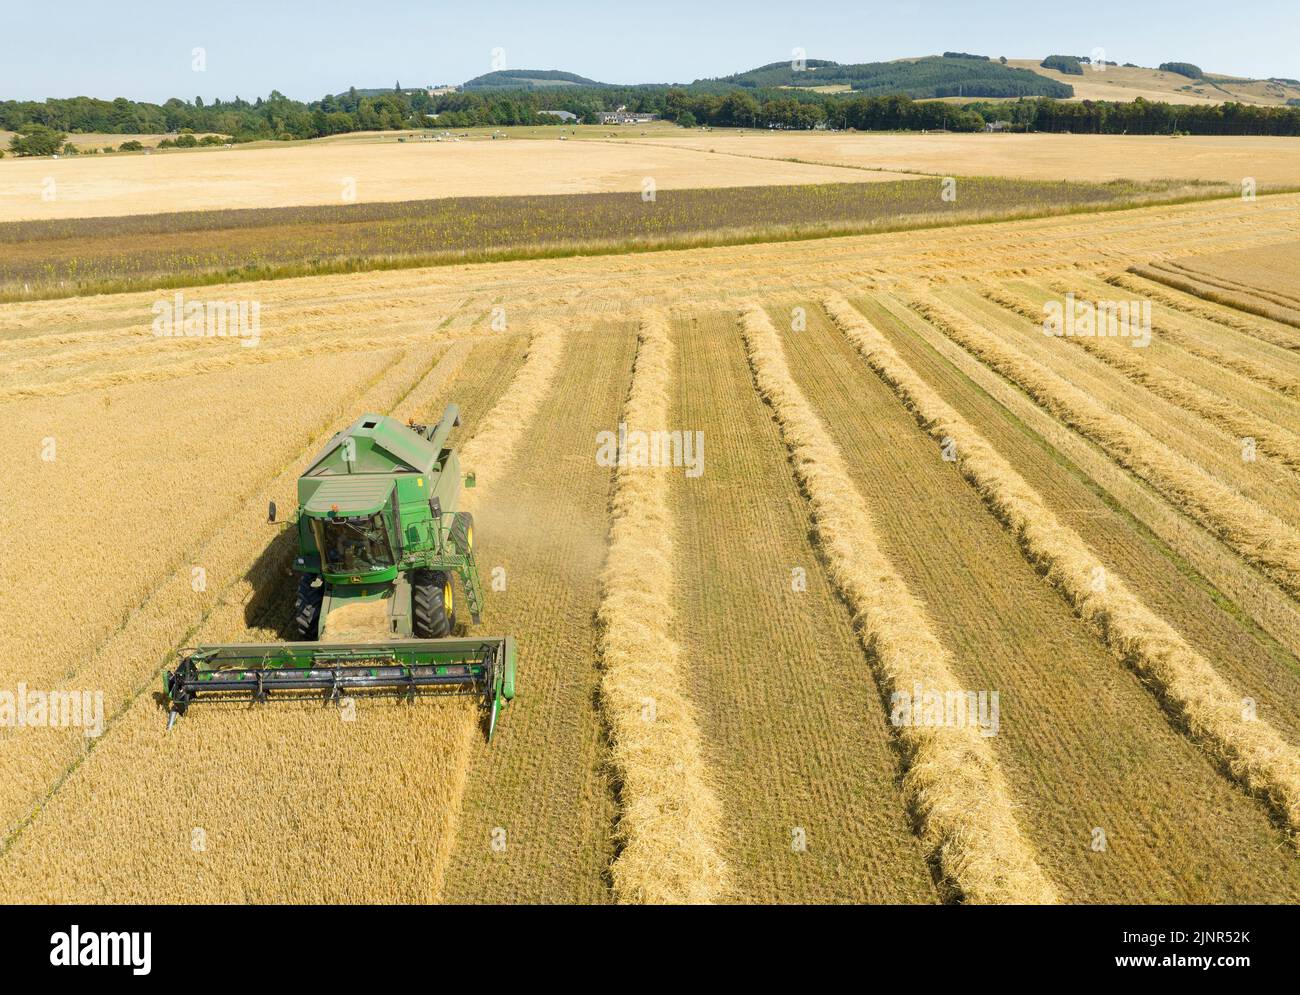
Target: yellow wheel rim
x=446, y=598
x=469, y=539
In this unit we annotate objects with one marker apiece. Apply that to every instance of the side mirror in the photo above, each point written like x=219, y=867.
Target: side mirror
x=270, y=513
x=469, y=480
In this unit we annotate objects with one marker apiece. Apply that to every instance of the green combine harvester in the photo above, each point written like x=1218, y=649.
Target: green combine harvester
x=379, y=542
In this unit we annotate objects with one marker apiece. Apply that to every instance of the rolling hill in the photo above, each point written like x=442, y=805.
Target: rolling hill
x=1131, y=82
x=953, y=77
x=929, y=76
x=527, y=79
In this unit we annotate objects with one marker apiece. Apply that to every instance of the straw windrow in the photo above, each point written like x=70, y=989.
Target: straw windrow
x=1139, y=280
x=670, y=823
x=489, y=452
x=1262, y=539
x=1212, y=712
x=1273, y=440
x=952, y=780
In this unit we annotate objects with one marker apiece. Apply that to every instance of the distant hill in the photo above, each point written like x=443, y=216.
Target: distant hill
x=527, y=79
x=953, y=75
x=1128, y=82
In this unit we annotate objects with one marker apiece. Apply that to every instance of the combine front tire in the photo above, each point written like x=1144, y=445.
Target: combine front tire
x=433, y=610
x=306, y=606
x=462, y=533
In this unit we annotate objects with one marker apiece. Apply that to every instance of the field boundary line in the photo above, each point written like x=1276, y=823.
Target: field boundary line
x=952, y=780
x=1274, y=441
x=904, y=174
x=1261, y=538
x=1185, y=682
x=670, y=826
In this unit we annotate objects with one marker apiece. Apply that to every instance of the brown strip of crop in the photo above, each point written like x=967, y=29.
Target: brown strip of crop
x=1273, y=440
x=952, y=781
x=671, y=818
x=1237, y=301
x=144, y=252
x=1247, y=367
x=1185, y=682
x=1270, y=544
x=1225, y=314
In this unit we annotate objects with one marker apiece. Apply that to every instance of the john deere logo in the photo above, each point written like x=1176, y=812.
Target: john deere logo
x=354, y=580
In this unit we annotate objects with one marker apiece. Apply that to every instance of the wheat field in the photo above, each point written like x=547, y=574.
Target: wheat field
x=356, y=172
x=902, y=486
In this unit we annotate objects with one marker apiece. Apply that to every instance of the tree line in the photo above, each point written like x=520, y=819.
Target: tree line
x=278, y=117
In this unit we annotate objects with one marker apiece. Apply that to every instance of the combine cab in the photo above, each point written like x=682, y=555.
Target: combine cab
x=382, y=550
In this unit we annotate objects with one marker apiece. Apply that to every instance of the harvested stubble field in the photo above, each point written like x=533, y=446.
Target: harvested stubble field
x=74, y=257
x=1122, y=578
x=324, y=172
x=1039, y=156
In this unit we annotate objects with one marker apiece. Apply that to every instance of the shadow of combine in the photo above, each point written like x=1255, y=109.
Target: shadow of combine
x=274, y=585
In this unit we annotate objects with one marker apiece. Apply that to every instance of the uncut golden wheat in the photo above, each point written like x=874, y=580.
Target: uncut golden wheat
x=1212, y=711
x=953, y=781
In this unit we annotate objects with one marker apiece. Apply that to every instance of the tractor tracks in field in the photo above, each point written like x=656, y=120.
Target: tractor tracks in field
x=489, y=451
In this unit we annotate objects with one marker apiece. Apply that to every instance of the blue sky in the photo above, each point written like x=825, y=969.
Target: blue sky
x=143, y=49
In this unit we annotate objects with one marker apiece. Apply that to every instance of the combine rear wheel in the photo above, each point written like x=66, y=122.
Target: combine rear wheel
x=306, y=606
x=433, y=610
